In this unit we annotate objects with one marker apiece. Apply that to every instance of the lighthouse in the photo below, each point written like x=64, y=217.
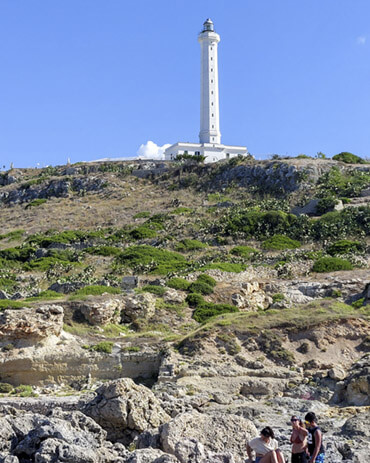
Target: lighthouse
x=209, y=134
x=209, y=107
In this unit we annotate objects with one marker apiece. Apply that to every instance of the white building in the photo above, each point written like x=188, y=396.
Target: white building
x=209, y=135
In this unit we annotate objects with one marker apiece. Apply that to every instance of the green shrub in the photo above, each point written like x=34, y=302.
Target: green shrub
x=280, y=242
x=13, y=235
x=278, y=297
x=44, y=263
x=190, y=245
x=9, y=304
x=142, y=215
x=178, y=283
x=6, y=388
x=204, y=278
x=103, y=346
x=157, y=290
x=96, y=290
x=353, y=221
x=349, y=158
x=195, y=300
x=142, y=232
x=339, y=183
x=207, y=310
x=103, y=250
x=200, y=287
x=182, y=210
x=157, y=261
x=344, y=247
x=358, y=304
x=71, y=236
x=45, y=295
x=331, y=264
x=131, y=349
x=326, y=204
x=243, y=251
x=24, y=391
x=35, y=203
x=20, y=253
x=225, y=267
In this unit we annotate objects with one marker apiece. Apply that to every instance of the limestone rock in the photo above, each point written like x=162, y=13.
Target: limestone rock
x=125, y=409
x=259, y=387
x=40, y=322
x=218, y=433
x=173, y=297
x=337, y=373
x=100, y=310
x=355, y=389
x=71, y=436
x=151, y=456
x=250, y=297
x=138, y=306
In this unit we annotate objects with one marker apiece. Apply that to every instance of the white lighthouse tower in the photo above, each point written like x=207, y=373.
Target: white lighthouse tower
x=209, y=107
x=209, y=135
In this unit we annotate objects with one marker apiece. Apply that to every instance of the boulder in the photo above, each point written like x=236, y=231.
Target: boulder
x=129, y=282
x=138, y=306
x=265, y=387
x=38, y=323
x=125, y=409
x=357, y=426
x=151, y=456
x=174, y=297
x=4, y=295
x=355, y=388
x=337, y=373
x=198, y=434
x=100, y=310
x=70, y=437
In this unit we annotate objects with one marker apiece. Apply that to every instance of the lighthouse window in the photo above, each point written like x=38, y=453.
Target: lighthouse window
x=211, y=92
x=211, y=81
x=212, y=115
x=213, y=126
x=212, y=104
x=211, y=58
x=211, y=69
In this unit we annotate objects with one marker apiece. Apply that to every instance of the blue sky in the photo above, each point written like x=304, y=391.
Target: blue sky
x=88, y=79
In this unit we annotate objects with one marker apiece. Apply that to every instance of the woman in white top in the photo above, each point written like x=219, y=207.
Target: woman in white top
x=266, y=448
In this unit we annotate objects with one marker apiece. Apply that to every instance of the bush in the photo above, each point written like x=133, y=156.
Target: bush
x=200, y=287
x=243, y=251
x=96, y=290
x=331, y=264
x=205, y=311
x=157, y=261
x=178, y=283
x=349, y=158
x=6, y=388
x=344, y=247
x=182, y=210
x=225, y=267
x=103, y=346
x=343, y=183
x=359, y=303
x=142, y=215
x=153, y=289
x=195, y=300
x=13, y=235
x=44, y=263
x=190, y=245
x=346, y=223
x=20, y=253
x=142, y=232
x=204, y=278
x=280, y=242
x=103, y=250
x=326, y=204
x=35, y=203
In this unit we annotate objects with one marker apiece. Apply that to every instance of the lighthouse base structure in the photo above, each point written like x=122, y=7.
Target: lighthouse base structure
x=212, y=152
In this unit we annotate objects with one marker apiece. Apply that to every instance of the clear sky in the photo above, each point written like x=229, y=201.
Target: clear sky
x=88, y=79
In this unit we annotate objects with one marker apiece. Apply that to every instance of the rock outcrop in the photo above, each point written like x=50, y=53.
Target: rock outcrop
x=138, y=306
x=34, y=323
x=100, y=310
x=125, y=409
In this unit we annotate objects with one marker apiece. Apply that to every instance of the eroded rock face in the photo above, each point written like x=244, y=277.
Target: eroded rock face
x=101, y=310
x=125, y=409
x=151, y=456
x=138, y=306
x=174, y=297
x=61, y=436
x=38, y=323
x=220, y=434
x=355, y=389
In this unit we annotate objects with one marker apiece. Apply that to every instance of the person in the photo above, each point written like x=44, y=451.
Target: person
x=314, y=439
x=266, y=448
x=298, y=439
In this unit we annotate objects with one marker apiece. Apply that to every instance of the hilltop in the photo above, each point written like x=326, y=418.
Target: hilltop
x=240, y=287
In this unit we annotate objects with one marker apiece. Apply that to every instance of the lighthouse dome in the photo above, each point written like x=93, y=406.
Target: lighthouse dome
x=208, y=25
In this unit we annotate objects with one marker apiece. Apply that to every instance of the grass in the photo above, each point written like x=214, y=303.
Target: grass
x=243, y=251
x=35, y=203
x=9, y=304
x=279, y=243
x=96, y=290
x=154, y=289
x=225, y=267
x=182, y=210
x=13, y=235
x=150, y=259
x=47, y=295
x=102, y=347
x=187, y=245
x=178, y=283
x=103, y=250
